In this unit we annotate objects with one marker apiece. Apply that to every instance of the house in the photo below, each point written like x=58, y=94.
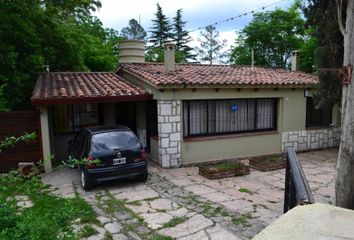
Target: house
x=187, y=113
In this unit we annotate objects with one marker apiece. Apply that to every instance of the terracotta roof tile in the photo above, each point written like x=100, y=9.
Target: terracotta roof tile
x=210, y=75
x=82, y=86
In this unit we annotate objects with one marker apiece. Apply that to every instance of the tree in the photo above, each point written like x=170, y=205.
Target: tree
x=134, y=31
x=161, y=29
x=62, y=34
x=273, y=35
x=181, y=38
x=344, y=186
x=328, y=49
x=211, y=48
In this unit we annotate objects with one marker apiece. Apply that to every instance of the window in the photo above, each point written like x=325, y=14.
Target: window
x=317, y=117
x=84, y=115
x=213, y=117
x=71, y=118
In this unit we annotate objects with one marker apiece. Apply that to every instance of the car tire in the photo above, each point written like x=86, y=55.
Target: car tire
x=86, y=182
x=143, y=177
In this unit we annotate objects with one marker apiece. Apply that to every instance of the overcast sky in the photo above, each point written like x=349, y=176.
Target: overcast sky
x=198, y=13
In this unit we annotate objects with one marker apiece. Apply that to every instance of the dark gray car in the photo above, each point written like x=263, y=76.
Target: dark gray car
x=118, y=150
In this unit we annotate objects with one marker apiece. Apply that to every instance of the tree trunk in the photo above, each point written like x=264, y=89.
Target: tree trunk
x=344, y=187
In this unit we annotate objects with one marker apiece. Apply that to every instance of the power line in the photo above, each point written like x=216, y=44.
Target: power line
x=237, y=16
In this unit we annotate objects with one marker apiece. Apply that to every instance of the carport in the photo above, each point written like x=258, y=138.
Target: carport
x=69, y=101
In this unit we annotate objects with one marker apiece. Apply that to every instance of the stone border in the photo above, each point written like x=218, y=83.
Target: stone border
x=311, y=139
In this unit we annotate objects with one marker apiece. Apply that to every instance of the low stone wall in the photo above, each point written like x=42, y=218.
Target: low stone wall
x=169, y=128
x=311, y=139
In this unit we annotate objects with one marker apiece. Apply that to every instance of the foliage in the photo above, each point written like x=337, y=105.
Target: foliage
x=3, y=102
x=154, y=54
x=161, y=29
x=80, y=162
x=160, y=34
x=61, y=34
x=211, y=47
x=181, y=38
x=273, y=35
x=87, y=231
x=321, y=20
x=50, y=216
x=11, y=141
x=134, y=31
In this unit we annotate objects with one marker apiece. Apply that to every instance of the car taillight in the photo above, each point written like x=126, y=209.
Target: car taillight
x=90, y=165
x=143, y=154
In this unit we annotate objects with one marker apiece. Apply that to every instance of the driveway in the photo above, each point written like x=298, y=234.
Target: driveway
x=184, y=205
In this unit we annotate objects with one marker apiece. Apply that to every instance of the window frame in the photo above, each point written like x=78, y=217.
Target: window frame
x=208, y=134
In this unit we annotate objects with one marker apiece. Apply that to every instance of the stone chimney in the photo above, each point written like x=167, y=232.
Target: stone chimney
x=131, y=51
x=295, y=61
x=169, y=56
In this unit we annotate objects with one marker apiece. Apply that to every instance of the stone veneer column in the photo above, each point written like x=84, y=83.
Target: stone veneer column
x=169, y=127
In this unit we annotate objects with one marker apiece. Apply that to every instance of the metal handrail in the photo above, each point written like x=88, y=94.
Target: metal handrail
x=297, y=189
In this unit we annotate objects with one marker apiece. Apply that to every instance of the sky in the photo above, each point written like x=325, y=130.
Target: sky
x=197, y=13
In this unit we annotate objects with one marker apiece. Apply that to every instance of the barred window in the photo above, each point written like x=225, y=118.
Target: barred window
x=213, y=117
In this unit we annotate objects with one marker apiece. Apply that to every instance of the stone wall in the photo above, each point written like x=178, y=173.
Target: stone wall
x=311, y=139
x=169, y=128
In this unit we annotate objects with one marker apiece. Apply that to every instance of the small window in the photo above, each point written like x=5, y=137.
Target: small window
x=321, y=117
x=213, y=117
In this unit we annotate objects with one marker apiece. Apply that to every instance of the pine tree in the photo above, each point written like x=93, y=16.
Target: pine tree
x=181, y=38
x=134, y=31
x=161, y=29
x=211, y=48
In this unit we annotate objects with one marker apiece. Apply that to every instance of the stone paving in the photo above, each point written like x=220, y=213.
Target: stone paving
x=181, y=204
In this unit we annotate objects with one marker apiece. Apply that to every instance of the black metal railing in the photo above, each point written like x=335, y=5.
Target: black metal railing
x=297, y=189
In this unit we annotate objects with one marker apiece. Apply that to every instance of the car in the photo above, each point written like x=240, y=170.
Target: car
x=118, y=150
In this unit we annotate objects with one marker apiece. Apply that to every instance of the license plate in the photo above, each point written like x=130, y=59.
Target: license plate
x=118, y=161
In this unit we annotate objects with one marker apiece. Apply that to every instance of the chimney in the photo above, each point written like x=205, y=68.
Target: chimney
x=131, y=51
x=295, y=61
x=169, y=57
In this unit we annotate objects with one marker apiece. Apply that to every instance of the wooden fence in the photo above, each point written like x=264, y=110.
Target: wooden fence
x=16, y=124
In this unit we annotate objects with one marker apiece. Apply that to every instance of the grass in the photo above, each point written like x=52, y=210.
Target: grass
x=174, y=222
x=87, y=231
x=160, y=237
x=224, y=166
x=242, y=219
x=135, y=203
x=111, y=205
x=246, y=190
x=50, y=216
x=108, y=236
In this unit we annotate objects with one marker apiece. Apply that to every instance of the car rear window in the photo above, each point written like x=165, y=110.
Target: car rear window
x=114, y=141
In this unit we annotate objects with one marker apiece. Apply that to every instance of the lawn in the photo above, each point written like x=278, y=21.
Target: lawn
x=50, y=217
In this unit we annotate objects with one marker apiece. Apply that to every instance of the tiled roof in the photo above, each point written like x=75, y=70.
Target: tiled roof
x=75, y=87
x=213, y=75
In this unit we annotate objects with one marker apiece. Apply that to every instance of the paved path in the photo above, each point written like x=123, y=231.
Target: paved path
x=184, y=205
